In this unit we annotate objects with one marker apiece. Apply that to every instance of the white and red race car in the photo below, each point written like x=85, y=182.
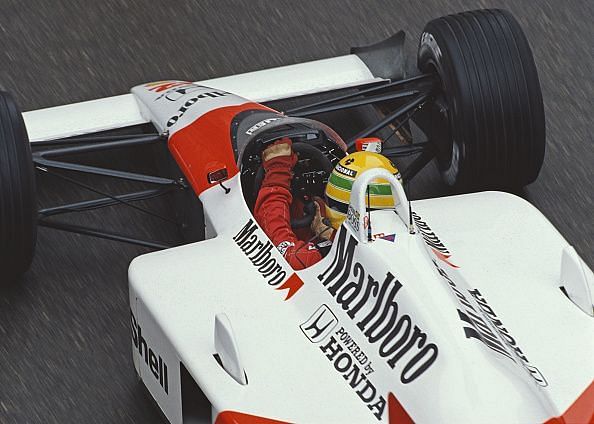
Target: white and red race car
x=469, y=308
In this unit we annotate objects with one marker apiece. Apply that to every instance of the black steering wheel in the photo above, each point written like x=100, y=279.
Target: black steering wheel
x=310, y=175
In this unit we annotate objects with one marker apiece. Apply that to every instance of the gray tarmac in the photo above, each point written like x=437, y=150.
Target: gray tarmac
x=65, y=353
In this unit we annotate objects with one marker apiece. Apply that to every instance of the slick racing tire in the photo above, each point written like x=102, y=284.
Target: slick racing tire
x=18, y=205
x=491, y=100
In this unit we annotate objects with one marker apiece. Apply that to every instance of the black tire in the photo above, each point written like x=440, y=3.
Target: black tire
x=18, y=204
x=492, y=100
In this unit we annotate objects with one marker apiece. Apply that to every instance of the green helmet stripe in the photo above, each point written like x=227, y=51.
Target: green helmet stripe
x=347, y=184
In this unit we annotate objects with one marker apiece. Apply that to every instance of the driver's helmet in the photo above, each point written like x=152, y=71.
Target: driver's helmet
x=338, y=189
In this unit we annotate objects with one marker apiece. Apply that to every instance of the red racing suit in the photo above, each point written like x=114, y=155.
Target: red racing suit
x=272, y=212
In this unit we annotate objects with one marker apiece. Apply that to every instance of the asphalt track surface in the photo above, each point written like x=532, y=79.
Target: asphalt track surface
x=64, y=333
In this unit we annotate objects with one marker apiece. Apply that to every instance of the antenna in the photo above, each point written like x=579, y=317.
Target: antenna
x=369, y=238
x=411, y=227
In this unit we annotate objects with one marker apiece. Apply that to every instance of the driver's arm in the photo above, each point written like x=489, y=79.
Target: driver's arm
x=272, y=209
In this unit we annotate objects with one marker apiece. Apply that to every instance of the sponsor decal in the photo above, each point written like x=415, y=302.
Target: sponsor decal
x=349, y=343
x=474, y=324
x=382, y=236
x=345, y=171
x=320, y=324
x=508, y=338
x=260, y=255
x=375, y=147
x=353, y=218
x=160, y=86
x=357, y=377
x=476, y=327
x=183, y=109
x=284, y=246
x=172, y=90
x=177, y=93
x=373, y=305
x=366, y=222
x=260, y=124
x=434, y=243
x=292, y=285
x=324, y=243
x=347, y=358
x=152, y=360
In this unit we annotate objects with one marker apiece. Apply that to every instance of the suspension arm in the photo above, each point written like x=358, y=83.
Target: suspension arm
x=419, y=80
x=89, y=205
x=403, y=110
x=44, y=159
x=77, y=229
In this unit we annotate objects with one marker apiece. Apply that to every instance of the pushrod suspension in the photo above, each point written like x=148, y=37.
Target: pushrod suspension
x=416, y=165
x=403, y=110
x=406, y=150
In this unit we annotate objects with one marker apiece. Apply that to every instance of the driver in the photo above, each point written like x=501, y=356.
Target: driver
x=273, y=209
x=273, y=204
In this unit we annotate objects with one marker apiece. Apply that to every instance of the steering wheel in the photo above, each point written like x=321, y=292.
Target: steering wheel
x=309, y=174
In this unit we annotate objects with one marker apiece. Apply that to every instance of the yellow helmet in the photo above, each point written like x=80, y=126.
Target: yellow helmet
x=338, y=189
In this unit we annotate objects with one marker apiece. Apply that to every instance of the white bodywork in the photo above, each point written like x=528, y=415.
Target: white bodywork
x=502, y=263
x=260, y=86
x=458, y=317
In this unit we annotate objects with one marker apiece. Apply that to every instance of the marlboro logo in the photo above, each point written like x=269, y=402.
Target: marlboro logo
x=152, y=360
x=373, y=303
x=188, y=104
x=260, y=254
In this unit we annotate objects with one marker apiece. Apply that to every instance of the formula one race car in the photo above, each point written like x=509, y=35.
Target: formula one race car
x=469, y=308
